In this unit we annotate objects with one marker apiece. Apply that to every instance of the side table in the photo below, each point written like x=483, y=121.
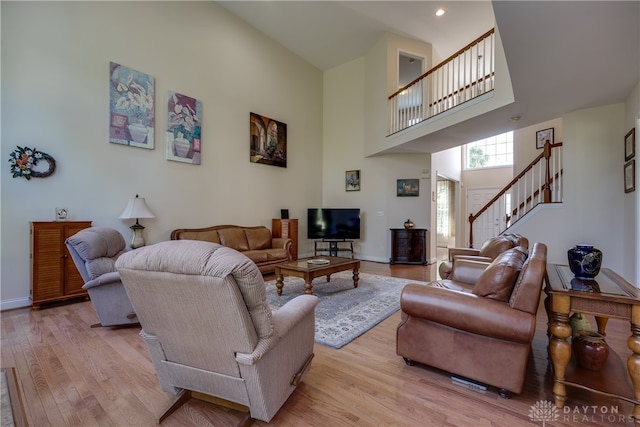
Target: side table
x=607, y=296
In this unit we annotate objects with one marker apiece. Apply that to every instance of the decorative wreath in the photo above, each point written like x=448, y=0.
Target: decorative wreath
x=23, y=159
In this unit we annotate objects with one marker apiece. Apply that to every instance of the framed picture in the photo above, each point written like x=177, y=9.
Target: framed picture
x=268, y=141
x=630, y=144
x=408, y=188
x=543, y=136
x=352, y=180
x=184, y=128
x=131, y=107
x=630, y=176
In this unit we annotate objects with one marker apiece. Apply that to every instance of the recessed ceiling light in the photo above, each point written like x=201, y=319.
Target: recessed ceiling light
x=440, y=12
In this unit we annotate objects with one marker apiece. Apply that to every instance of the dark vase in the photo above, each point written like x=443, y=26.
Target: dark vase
x=408, y=224
x=590, y=350
x=585, y=261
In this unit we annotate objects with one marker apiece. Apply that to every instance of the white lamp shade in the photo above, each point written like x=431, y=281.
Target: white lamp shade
x=136, y=208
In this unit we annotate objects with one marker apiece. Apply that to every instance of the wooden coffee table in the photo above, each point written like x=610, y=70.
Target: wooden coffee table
x=308, y=271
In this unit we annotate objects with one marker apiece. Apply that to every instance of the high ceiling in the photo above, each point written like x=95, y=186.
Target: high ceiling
x=562, y=55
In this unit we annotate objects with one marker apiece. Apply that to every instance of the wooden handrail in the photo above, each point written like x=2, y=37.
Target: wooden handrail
x=488, y=76
x=442, y=63
x=546, y=187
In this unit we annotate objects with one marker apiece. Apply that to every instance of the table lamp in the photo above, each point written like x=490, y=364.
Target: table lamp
x=136, y=208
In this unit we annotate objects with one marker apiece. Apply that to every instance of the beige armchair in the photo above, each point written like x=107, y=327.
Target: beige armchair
x=209, y=329
x=94, y=251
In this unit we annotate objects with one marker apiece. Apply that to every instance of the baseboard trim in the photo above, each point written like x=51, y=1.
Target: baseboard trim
x=10, y=304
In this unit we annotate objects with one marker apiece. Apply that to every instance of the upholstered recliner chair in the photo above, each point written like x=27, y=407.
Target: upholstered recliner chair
x=94, y=251
x=489, y=250
x=480, y=329
x=209, y=329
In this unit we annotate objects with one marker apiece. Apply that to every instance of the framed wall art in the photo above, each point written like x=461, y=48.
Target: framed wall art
x=352, y=180
x=408, y=188
x=630, y=144
x=630, y=176
x=131, y=107
x=184, y=128
x=268, y=141
x=543, y=136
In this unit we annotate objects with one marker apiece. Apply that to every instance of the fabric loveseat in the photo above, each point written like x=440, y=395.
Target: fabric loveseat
x=489, y=250
x=480, y=328
x=256, y=243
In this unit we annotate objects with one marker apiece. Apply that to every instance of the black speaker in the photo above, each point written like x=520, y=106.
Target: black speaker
x=284, y=213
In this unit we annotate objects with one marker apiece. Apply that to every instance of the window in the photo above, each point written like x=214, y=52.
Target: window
x=495, y=151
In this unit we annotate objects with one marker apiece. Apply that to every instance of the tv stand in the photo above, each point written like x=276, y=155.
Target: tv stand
x=332, y=246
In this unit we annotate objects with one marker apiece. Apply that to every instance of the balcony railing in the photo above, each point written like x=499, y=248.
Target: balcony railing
x=539, y=182
x=463, y=76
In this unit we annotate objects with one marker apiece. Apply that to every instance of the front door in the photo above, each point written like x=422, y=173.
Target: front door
x=492, y=222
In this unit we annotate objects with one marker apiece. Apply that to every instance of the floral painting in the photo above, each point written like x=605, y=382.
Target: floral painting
x=184, y=127
x=268, y=143
x=131, y=107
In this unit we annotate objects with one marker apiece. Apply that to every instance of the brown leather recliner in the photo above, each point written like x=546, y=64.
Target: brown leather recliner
x=481, y=329
x=489, y=250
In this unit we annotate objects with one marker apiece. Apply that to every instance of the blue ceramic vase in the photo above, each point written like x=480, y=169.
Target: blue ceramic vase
x=584, y=261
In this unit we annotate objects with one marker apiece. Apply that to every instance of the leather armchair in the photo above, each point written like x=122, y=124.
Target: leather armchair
x=210, y=332
x=94, y=251
x=489, y=250
x=481, y=328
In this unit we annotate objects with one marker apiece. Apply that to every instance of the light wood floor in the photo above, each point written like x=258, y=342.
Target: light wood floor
x=72, y=375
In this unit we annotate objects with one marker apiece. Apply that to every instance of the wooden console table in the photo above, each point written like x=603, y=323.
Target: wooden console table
x=608, y=296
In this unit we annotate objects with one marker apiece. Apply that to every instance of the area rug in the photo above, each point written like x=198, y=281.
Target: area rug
x=11, y=409
x=343, y=312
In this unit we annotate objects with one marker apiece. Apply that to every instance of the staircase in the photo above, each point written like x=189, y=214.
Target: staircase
x=538, y=183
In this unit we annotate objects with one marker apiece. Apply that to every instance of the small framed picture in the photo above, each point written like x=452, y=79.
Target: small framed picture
x=630, y=144
x=630, y=176
x=61, y=214
x=543, y=136
x=408, y=188
x=352, y=180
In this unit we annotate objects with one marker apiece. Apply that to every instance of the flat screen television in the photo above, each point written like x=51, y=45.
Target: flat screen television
x=333, y=224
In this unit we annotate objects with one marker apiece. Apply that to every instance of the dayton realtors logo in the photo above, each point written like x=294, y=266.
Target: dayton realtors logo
x=545, y=411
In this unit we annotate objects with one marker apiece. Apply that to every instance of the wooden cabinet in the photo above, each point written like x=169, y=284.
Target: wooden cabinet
x=287, y=228
x=54, y=276
x=408, y=246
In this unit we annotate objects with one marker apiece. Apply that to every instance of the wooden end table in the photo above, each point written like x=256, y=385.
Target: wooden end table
x=609, y=295
x=308, y=271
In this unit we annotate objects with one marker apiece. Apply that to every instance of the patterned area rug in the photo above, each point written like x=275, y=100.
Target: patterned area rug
x=343, y=312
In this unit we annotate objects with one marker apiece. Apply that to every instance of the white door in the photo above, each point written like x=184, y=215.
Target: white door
x=491, y=222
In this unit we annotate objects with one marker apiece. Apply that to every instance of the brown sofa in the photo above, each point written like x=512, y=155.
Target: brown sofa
x=489, y=250
x=481, y=328
x=254, y=242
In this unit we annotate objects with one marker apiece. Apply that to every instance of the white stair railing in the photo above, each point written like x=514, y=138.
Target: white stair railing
x=463, y=76
x=540, y=182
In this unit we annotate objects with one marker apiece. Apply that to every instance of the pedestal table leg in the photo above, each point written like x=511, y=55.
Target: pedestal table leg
x=559, y=348
x=279, y=282
x=633, y=362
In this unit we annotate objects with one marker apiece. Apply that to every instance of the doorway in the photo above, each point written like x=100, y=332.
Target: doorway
x=493, y=220
x=445, y=216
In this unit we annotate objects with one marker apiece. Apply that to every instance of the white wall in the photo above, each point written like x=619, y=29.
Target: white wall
x=631, y=242
x=346, y=126
x=524, y=142
x=55, y=59
x=592, y=211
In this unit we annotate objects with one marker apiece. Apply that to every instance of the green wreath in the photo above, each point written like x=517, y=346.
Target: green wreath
x=23, y=159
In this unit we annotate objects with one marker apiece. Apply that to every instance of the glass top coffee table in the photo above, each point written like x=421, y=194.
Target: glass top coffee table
x=309, y=269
